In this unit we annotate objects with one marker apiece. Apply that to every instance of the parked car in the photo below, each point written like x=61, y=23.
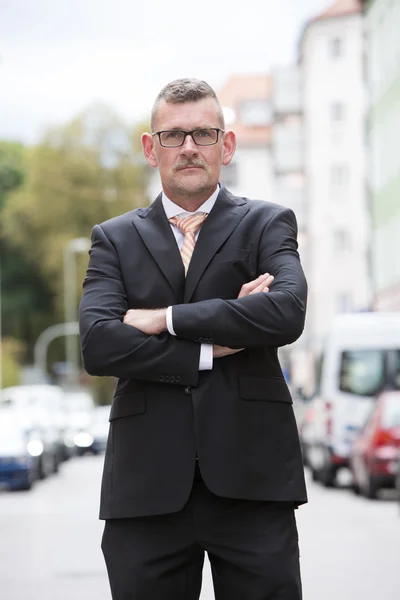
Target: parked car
x=374, y=457
x=306, y=432
x=79, y=406
x=361, y=358
x=20, y=451
x=398, y=478
x=32, y=405
x=100, y=428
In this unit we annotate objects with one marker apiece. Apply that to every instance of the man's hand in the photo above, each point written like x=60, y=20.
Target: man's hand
x=150, y=322
x=261, y=284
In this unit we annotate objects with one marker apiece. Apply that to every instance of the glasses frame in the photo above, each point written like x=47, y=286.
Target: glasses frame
x=186, y=133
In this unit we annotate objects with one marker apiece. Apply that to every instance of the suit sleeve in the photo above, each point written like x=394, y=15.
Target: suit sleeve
x=273, y=319
x=112, y=348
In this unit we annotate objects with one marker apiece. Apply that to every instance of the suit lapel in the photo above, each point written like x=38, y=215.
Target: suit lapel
x=224, y=217
x=155, y=231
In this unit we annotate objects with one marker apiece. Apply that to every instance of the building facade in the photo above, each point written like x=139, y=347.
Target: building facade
x=246, y=100
x=331, y=62
x=382, y=60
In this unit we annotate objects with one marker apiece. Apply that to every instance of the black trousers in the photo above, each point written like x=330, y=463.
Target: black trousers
x=252, y=547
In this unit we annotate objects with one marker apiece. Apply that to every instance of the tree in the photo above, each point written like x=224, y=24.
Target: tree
x=11, y=168
x=81, y=174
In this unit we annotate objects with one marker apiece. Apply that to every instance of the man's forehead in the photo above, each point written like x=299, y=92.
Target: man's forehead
x=202, y=113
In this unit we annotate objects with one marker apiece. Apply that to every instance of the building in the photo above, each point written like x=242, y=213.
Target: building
x=246, y=100
x=287, y=143
x=331, y=63
x=382, y=54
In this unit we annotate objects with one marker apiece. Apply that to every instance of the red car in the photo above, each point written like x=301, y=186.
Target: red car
x=376, y=448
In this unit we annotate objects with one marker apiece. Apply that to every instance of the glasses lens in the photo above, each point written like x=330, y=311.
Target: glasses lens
x=205, y=137
x=172, y=138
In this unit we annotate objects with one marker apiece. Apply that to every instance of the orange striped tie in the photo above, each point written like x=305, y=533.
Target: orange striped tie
x=189, y=227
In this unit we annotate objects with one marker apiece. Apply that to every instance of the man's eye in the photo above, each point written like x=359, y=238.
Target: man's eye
x=172, y=135
x=203, y=133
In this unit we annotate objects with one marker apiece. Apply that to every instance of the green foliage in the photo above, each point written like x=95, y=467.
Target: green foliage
x=81, y=174
x=11, y=352
x=11, y=168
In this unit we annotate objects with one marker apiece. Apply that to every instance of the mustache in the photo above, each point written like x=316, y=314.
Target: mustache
x=194, y=162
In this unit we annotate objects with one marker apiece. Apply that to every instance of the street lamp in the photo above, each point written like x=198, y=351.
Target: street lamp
x=72, y=247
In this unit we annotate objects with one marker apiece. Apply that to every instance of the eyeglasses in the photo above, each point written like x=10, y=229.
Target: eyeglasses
x=201, y=137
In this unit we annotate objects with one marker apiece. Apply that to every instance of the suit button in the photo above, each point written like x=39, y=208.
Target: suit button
x=188, y=390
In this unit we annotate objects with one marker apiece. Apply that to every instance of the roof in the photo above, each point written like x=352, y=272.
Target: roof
x=239, y=89
x=337, y=10
x=340, y=8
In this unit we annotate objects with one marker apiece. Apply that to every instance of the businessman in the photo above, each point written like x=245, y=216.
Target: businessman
x=186, y=302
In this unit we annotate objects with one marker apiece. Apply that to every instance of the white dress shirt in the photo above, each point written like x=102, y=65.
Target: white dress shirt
x=173, y=210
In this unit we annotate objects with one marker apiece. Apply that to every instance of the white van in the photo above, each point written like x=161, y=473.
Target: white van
x=361, y=357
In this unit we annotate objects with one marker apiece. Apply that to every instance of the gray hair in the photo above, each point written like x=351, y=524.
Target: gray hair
x=180, y=91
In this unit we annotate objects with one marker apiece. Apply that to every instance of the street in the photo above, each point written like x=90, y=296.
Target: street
x=50, y=538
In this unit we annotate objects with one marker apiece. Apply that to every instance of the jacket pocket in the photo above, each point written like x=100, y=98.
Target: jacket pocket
x=127, y=405
x=236, y=255
x=262, y=388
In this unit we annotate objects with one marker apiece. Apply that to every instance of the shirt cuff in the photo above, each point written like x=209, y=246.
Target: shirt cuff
x=206, y=357
x=170, y=325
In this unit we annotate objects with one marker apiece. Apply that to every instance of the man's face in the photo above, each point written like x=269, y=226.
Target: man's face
x=189, y=169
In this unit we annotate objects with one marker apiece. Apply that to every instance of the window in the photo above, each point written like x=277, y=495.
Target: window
x=340, y=176
x=362, y=372
x=336, y=47
x=341, y=241
x=395, y=368
x=337, y=112
x=229, y=174
x=391, y=412
x=339, y=182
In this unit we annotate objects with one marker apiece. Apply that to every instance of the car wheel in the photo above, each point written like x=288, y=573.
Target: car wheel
x=355, y=487
x=327, y=476
x=56, y=464
x=370, y=488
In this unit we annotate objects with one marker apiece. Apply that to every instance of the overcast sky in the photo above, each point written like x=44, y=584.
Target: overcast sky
x=59, y=56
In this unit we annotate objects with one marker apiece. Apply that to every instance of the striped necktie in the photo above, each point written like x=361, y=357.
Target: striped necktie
x=189, y=227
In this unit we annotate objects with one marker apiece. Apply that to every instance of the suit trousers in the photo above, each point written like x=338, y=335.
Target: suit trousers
x=252, y=547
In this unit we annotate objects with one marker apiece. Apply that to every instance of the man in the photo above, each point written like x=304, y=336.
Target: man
x=203, y=452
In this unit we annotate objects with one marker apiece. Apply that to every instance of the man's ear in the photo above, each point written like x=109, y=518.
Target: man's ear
x=148, y=149
x=229, y=147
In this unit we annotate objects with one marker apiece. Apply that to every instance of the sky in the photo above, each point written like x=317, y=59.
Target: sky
x=58, y=57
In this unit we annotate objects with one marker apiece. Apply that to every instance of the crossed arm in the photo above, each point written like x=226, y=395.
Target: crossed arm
x=114, y=340
x=154, y=322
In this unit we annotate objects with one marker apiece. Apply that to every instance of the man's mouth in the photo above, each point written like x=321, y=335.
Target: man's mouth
x=189, y=166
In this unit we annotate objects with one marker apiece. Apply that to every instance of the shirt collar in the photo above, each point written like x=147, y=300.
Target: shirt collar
x=173, y=210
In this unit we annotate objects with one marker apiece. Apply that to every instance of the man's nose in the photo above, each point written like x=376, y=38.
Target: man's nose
x=189, y=148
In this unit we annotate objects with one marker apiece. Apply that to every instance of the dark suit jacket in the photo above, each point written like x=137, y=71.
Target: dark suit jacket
x=238, y=418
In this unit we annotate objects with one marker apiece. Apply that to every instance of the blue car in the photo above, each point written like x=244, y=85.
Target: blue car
x=20, y=452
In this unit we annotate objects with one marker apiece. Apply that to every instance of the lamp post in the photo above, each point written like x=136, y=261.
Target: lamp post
x=72, y=247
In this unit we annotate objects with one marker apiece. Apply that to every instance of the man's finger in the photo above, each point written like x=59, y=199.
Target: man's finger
x=265, y=284
x=248, y=287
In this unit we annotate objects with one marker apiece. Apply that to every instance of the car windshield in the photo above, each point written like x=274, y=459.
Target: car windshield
x=362, y=372
x=396, y=374
x=391, y=412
